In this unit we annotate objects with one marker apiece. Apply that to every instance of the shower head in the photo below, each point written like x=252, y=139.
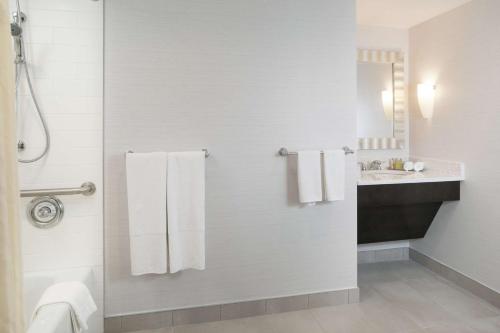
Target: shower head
x=15, y=30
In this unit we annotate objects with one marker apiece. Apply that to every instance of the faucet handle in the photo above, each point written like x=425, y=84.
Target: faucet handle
x=376, y=165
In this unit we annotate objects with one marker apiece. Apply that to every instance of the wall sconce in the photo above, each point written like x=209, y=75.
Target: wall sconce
x=388, y=104
x=426, y=95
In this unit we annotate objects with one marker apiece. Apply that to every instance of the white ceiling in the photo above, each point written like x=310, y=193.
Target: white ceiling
x=402, y=14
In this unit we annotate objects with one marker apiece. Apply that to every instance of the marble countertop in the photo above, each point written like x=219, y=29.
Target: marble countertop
x=435, y=171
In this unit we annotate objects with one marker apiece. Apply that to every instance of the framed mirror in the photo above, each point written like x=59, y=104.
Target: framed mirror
x=381, y=107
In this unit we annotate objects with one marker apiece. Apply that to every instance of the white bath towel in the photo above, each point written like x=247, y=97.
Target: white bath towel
x=334, y=174
x=186, y=210
x=147, y=212
x=77, y=296
x=309, y=177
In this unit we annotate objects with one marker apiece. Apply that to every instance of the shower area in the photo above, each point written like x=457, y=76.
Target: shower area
x=58, y=67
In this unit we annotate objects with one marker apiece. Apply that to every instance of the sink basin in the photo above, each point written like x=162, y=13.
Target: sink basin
x=386, y=174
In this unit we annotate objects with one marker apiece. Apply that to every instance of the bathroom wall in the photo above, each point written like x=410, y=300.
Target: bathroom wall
x=460, y=53
x=64, y=45
x=241, y=78
x=385, y=38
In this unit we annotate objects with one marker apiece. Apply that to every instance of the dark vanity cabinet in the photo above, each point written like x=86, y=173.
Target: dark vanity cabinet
x=393, y=212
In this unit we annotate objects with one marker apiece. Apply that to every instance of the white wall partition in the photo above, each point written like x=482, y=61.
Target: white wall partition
x=64, y=46
x=460, y=52
x=241, y=78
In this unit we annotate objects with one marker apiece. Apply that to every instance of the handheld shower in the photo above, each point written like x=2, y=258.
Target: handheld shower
x=16, y=30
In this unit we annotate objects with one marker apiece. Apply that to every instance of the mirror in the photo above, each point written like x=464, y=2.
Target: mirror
x=375, y=100
x=381, y=101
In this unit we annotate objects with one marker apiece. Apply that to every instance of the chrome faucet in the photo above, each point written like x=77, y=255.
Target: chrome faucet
x=375, y=165
x=368, y=166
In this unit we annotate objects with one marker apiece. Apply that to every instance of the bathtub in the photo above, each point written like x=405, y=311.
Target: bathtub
x=53, y=318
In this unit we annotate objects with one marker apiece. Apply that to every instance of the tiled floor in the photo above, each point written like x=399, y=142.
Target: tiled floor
x=395, y=297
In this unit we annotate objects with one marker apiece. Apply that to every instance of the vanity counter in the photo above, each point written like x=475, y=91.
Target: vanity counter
x=399, y=205
x=435, y=171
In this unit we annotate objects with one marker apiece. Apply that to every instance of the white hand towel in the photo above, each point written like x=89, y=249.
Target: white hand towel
x=147, y=212
x=186, y=210
x=77, y=296
x=309, y=177
x=334, y=174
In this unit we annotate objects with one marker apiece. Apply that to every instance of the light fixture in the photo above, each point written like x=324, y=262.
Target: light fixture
x=388, y=103
x=426, y=94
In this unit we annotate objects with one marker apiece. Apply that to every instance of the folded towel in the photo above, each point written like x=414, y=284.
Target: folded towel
x=309, y=177
x=186, y=210
x=334, y=174
x=77, y=296
x=147, y=212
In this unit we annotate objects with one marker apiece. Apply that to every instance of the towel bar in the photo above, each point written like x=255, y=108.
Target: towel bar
x=86, y=189
x=284, y=152
x=207, y=154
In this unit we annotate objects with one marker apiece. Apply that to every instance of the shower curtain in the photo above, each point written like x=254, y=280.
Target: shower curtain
x=11, y=310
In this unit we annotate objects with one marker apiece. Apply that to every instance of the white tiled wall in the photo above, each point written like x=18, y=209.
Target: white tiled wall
x=241, y=78
x=64, y=45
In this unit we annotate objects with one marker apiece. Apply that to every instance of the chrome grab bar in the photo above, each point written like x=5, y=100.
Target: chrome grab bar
x=87, y=188
x=284, y=152
x=207, y=154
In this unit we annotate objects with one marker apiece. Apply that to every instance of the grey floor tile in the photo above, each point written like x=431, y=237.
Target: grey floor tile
x=368, y=295
x=294, y=322
x=366, y=257
x=398, y=292
x=449, y=328
x=427, y=285
x=486, y=325
x=227, y=326
x=407, y=269
x=418, y=307
x=426, y=314
x=289, y=322
x=345, y=319
x=331, y=298
x=390, y=318
x=370, y=274
x=455, y=300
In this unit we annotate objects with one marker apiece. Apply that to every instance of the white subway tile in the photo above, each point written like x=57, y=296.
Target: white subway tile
x=76, y=122
x=38, y=35
x=52, y=18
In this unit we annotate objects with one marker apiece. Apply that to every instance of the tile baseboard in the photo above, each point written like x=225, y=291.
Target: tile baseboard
x=489, y=295
x=210, y=313
x=382, y=255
